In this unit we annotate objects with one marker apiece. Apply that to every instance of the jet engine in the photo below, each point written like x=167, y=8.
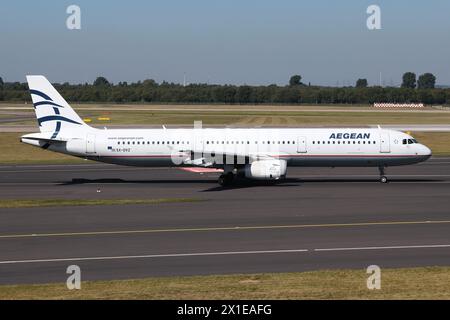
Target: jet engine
x=266, y=170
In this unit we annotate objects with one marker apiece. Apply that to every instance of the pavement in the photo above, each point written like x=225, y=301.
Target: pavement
x=319, y=218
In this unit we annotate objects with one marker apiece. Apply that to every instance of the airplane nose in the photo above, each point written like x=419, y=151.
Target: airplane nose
x=425, y=151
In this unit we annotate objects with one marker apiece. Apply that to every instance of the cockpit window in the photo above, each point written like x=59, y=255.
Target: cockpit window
x=409, y=141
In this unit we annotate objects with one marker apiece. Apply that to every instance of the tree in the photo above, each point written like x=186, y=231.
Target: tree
x=1, y=83
x=361, y=83
x=426, y=81
x=295, y=80
x=243, y=94
x=101, y=81
x=409, y=80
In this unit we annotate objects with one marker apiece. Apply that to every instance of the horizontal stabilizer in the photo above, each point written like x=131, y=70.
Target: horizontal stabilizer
x=42, y=139
x=43, y=136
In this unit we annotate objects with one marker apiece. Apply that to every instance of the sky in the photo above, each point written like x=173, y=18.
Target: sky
x=254, y=42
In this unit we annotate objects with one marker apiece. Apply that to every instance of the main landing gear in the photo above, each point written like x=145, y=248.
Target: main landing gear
x=383, y=178
x=226, y=179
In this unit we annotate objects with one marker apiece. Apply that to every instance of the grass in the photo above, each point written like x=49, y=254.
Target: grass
x=264, y=118
x=438, y=142
x=403, y=283
x=16, y=152
x=31, y=203
x=247, y=115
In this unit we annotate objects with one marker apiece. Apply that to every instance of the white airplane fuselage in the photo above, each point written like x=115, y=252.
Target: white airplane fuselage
x=299, y=147
x=259, y=153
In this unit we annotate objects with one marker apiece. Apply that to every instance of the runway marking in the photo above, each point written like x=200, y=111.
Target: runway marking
x=169, y=255
x=235, y=228
x=200, y=254
x=385, y=248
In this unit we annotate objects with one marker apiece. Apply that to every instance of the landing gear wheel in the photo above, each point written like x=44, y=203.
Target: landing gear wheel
x=226, y=179
x=383, y=178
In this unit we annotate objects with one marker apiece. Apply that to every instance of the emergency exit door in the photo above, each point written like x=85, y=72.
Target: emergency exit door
x=385, y=146
x=301, y=145
x=90, y=143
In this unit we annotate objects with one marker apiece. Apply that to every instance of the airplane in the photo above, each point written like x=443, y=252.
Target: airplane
x=253, y=153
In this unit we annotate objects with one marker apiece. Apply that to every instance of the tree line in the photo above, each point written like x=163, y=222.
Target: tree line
x=412, y=90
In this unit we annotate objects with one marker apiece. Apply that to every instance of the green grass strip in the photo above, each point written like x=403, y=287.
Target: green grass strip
x=32, y=203
x=402, y=283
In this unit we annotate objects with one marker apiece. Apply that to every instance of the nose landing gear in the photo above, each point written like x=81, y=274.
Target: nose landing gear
x=383, y=178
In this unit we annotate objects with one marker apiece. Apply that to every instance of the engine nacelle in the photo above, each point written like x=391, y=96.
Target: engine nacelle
x=266, y=169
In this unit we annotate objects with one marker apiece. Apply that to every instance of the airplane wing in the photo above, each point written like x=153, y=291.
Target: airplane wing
x=217, y=159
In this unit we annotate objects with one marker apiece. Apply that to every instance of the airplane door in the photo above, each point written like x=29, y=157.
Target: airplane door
x=385, y=146
x=301, y=145
x=90, y=143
